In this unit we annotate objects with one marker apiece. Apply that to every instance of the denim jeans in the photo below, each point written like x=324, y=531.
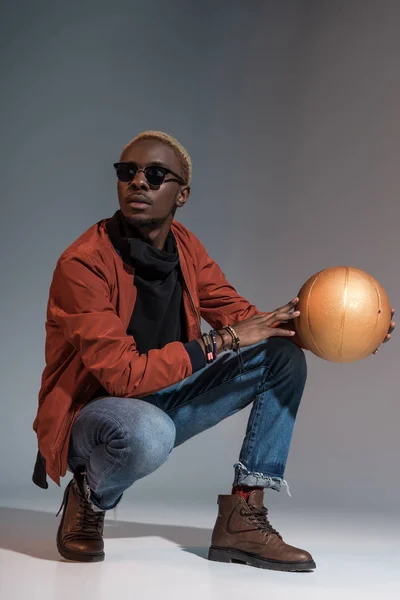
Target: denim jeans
x=121, y=440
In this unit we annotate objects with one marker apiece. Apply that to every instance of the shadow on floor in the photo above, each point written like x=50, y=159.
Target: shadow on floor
x=34, y=533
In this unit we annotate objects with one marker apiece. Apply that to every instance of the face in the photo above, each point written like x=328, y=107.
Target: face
x=163, y=199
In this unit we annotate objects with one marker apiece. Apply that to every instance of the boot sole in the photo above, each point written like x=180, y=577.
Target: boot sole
x=78, y=557
x=228, y=555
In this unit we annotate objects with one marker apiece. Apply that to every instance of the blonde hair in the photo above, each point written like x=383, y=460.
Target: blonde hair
x=170, y=141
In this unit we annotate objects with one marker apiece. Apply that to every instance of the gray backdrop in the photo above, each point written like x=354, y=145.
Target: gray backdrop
x=289, y=110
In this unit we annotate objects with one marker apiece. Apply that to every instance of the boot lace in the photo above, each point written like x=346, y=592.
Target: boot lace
x=88, y=520
x=259, y=515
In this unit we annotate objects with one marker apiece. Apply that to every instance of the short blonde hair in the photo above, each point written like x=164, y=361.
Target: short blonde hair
x=170, y=141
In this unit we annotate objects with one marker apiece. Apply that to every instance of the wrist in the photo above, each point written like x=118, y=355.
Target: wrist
x=223, y=340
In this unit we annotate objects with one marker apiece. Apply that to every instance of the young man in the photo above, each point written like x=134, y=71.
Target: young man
x=129, y=374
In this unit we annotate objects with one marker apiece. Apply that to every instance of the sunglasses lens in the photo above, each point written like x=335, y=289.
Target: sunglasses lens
x=126, y=172
x=155, y=175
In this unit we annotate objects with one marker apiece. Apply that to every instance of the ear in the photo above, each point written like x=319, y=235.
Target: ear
x=182, y=196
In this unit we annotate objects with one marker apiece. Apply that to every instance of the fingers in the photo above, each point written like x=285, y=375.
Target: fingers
x=289, y=306
x=282, y=313
x=389, y=334
x=282, y=332
x=283, y=317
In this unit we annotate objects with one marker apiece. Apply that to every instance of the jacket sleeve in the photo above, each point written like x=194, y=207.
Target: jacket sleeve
x=80, y=305
x=220, y=303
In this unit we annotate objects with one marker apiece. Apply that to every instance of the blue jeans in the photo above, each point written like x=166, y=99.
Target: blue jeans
x=121, y=440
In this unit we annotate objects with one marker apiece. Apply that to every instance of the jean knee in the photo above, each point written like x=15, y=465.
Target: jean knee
x=290, y=356
x=151, y=439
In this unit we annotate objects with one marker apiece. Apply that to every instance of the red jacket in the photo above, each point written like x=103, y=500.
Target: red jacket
x=91, y=300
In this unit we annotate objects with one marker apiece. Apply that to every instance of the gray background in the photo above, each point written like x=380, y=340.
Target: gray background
x=289, y=110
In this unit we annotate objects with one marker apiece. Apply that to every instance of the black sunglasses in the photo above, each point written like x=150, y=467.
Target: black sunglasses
x=155, y=174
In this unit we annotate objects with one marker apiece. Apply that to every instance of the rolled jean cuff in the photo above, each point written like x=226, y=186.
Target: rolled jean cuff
x=97, y=505
x=94, y=500
x=254, y=479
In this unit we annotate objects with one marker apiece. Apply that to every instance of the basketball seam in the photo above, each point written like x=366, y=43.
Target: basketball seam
x=343, y=319
x=308, y=314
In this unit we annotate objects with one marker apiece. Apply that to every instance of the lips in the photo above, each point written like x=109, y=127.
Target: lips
x=138, y=199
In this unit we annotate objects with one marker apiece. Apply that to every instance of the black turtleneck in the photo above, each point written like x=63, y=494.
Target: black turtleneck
x=158, y=315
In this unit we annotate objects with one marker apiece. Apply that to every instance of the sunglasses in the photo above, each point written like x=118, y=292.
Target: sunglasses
x=155, y=174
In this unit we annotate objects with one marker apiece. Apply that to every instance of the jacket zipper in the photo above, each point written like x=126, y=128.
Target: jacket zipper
x=194, y=309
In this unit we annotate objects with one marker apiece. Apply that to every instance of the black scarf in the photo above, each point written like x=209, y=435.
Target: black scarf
x=157, y=317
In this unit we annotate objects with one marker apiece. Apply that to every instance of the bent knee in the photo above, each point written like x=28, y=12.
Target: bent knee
x=289, y=355
x=151, y=436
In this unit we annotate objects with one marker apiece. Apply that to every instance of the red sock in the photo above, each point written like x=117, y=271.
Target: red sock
x=244, y=490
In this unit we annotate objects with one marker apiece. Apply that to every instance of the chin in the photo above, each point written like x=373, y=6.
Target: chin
x=141, y=221
x=131, y=215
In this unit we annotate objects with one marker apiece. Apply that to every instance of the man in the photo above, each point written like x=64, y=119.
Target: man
x=129, y=374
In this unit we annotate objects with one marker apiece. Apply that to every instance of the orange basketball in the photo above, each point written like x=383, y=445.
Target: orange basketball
x=344, y=314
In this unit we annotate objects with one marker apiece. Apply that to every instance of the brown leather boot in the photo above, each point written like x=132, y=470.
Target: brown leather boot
x=243, y=534
x=80, y=534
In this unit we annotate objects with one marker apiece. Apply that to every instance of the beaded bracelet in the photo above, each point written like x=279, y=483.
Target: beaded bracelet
x=214, y=342
x=210, y=342
x=235, y=337
x=209, y=350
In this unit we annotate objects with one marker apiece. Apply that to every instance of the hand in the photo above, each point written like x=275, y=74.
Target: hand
x=389, y=333
x=253, y=330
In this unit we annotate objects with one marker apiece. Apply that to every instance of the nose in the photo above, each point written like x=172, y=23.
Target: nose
x=139, y=182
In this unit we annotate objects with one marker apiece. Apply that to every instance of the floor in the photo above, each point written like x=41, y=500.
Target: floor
x=156, y=552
